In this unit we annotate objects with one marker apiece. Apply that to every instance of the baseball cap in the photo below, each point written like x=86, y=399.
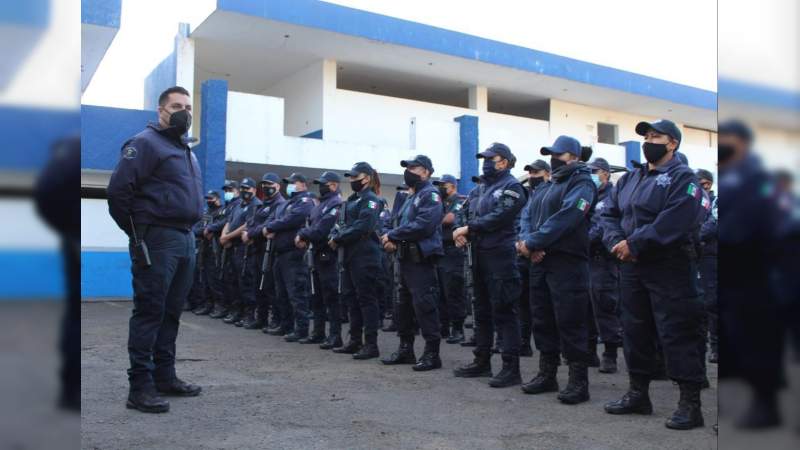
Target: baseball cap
x=563, y=144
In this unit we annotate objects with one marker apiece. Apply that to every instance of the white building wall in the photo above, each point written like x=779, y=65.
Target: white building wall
x=98, y=229
x=304, y=93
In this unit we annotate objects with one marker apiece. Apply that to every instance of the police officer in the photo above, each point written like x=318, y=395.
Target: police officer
x=555, y=229
x=538, y=175
x=418, y=242
x=291, y=275
x=604, y=278
x=265, y=289
x=197, y=294
x=497, y=282
x=209, y=250
x=648, y=222
x=400, y=197
x=314, y=238
x=355, y=239
x=155, y=196
x=468, y=213
x=243, y=264
x=225, y=278
x=450, y=268
x=708, y=262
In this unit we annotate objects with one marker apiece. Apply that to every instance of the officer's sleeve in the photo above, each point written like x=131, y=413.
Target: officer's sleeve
x=525, y=219
x=218, y=224
x=675, y=221
x=708, y=231
x=254, y=226
x=322, y=228
x=198, y=228
x=429, y=216
x=295, y=219
x=595, y=227
x=611, y=216
x=505, y=210
x=574, y=207
x=365, y=223
x=136, y=164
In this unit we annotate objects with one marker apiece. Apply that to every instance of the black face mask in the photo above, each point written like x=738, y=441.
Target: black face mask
x=246, y=196
x=324, y=189
x=535, y=181
x=654, y=152
x=725, y=152
x=211, y=205
x=555, y=163
x=270, y=191
x=411, y=179
x=488, y=168
x=443, y=191
x=181, y=121
x=356, y=185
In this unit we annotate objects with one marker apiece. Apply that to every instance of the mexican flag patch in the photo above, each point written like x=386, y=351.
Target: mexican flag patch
x=435, y=197
x=693, y=190
x=583, y=205
x=706, y=204
x=371, y=204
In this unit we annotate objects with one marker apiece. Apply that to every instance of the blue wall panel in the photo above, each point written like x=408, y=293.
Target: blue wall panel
x=104, y=130
x=105, y=274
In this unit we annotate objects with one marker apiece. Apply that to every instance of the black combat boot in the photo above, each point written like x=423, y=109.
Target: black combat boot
x=147, y=400
x=430, y=358
x=352, y=347
x=762, y=413
x=635, y=401
x=257, y=321
x=545, y=379
x=509, y=375
x=219, y=312
x=317, y=336
x=594, y=361
x=403, y=355
x=609, y=362
x=247, y=315
x=688, y=415
x=234, y=315
x=296, y=336
x=368, y=351
x=481, y=366
x=577, y=390
x=333, y=341
x=204, y=309
x=457, y=335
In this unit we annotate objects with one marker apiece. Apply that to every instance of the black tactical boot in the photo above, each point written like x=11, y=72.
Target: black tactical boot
x=481, y=366
x=313, y=339
x=430, y=358
x=257, y=321
x=296, y=336
x=368, y=351
x=351, y=348
x=688, y=415
x=403, y=355
x=457, y=335
x=471, y=342
x=545, y=379
x=178, y=388
x=333, y=341
x=594, y=361
x=763, y=412
x=635, y=401
x=203, y=309
x=278, y=331
x=609, y=362
x=577, y=390
x=147, y=400
x=233, y=316
x=247, y=315
x=219, y=312
x=509, y=375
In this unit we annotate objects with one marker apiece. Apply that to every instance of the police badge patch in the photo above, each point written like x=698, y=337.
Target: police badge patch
x=663, y=180
x=600, y=205
x=129, y=152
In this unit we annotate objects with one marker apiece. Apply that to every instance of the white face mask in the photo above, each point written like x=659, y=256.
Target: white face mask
x=596, y=179
x=291, y=189
x=228, y=196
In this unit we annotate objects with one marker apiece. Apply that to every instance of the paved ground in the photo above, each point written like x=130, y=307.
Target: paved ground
x=261, y=392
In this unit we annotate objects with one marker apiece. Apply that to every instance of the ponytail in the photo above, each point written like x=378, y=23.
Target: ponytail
x=375, y=183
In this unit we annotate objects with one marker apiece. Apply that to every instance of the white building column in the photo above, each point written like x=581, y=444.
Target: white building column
x=479, y=98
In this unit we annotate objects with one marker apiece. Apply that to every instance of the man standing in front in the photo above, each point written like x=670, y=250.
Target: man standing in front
x=155, y=196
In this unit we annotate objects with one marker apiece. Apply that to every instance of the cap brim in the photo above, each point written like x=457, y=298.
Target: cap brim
x=486, y=154
x=643, y=127
x=476, y=179
x=528, y=168
x=548, y=151
x=350, y=174
x=409, y=163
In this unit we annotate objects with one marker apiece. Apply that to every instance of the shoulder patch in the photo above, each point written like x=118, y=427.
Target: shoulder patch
x=371, y=204
x=129, y=152
x=693, y=191
x=583, y=205
x=511, y=193
x=435, y=197
x=305, y=199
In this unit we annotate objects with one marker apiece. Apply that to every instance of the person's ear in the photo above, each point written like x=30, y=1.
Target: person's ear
x=672, y=144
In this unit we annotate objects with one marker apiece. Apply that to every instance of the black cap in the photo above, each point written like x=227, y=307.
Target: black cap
x=446, y=178
x=662, y=126
x=295, y=177
x=476, y=179
x=539, y=164
x=419, y=160
x=360, y=167
x=212, y=194
x=704, y=174
x=600, y=164
x=563, y=144
x=327, y=177
x=498, y=149
x=248, y=182
x=271, y=177
x=402, y=187
x=230, y=184
x=586, y=153
x=738, y=129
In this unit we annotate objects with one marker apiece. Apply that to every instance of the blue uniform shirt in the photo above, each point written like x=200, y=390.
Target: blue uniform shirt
x=596, y=224
x=496, y=210
x=289, y=218
x=255, y=228
x=421, y=221
x=242, y=214
x=322, y=219
x=361, y=219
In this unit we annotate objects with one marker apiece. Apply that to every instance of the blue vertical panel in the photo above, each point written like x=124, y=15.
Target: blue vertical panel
x=632, y=152
x=468, y=138
x=211, y=150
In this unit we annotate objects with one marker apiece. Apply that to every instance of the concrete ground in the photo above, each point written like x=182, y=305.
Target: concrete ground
x=261, y=392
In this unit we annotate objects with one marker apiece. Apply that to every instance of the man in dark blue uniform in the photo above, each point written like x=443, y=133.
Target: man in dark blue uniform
x=291, y=275
x=648, y=223
x=400, y=197
x=418, y=242
x=265, y=288
x=155, y=196
x=555, y=237
x=206, y=266
x=708, y=263
x=497, y=282
x=314, y=239
x=467, y=213
x=604, y=318
x=224, y=280
x=450, y=268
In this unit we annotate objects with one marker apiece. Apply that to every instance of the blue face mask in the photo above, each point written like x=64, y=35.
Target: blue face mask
x=596, y=179
x=291, y=189
x=228, y=196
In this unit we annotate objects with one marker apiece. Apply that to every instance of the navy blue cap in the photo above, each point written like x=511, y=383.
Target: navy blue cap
x=327, y=177
x=295, y=177
x=586, y=153
x=539, y=164
x=271, y=177
x=563, y=144
x=360, y=167
x=248, y=182
x=600, y=164
x=419, y=160
x=212, y=194
x=230, y=184
x=704, y=174
x=476, y=179
x=446, y=178
x=498, y=149
x=738, y=129
x=662, y=126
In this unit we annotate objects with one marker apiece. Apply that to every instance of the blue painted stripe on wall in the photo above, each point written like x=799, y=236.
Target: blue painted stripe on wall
x=29, y=13
x=104, y=130
x=391, y=30
x=313, y=135
x=29, y=133
x=31, y=274
x=105, y=274
x=105, y=13
x=757, y=94
x=632, y=152
x=468, y=141
x=211, y=150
